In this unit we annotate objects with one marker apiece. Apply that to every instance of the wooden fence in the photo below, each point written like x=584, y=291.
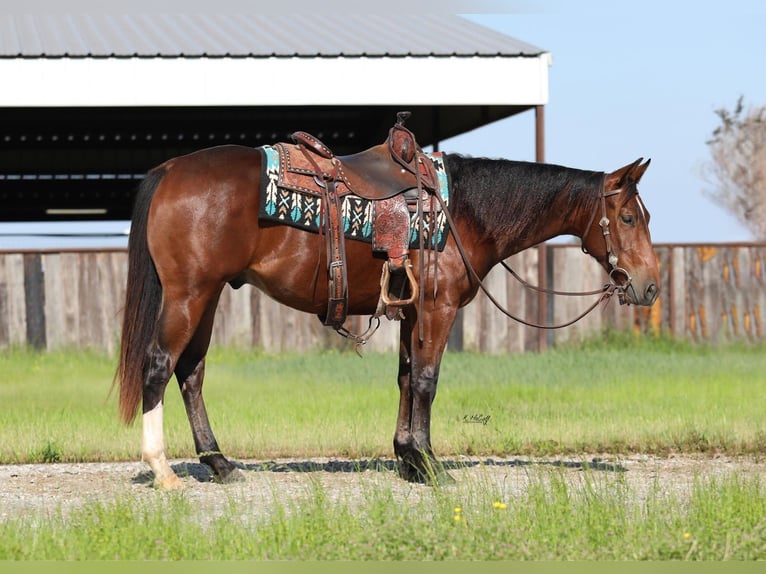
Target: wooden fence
x=714, y=293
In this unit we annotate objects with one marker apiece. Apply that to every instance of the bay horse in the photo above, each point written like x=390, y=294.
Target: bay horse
x=196, y=228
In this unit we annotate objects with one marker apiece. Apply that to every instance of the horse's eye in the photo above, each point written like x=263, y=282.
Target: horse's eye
x=627, y=219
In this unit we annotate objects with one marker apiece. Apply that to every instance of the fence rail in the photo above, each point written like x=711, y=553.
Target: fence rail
x=713, y=293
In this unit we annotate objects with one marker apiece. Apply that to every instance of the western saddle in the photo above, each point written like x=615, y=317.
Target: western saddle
x=397, y=176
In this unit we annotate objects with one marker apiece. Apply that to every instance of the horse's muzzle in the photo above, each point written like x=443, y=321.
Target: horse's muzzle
x=644, y=295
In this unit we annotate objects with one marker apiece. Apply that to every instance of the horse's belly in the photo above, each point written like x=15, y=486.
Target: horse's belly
x=299, y=277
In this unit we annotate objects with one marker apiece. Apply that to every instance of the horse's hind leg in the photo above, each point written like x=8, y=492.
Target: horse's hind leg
x=179, y=319
x=153, y=441
x=190, y=372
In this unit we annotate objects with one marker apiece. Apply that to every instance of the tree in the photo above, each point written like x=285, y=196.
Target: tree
x=737, y=170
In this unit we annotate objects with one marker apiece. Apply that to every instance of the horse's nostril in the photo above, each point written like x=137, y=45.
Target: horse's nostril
x=651, y=290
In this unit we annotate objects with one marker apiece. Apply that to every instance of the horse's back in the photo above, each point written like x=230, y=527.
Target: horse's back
x=210, y=182
x=235, y=164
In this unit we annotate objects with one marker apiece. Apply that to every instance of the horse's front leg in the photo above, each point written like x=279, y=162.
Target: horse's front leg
x=419, y=363
x=403, y=436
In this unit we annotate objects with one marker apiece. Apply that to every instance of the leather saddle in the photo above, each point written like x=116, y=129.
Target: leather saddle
x=396, y=175
x=377, y=173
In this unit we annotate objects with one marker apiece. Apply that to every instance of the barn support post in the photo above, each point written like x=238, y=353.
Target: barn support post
x=540, y=134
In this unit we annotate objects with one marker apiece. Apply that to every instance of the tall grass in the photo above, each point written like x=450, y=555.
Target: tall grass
x=625, y=395
x=554, y=519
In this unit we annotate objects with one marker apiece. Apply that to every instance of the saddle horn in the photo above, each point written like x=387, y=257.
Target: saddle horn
x=402, y=142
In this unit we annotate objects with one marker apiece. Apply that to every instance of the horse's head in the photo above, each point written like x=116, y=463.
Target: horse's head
x=617, y=236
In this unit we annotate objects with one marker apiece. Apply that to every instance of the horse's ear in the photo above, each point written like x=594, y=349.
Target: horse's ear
x=633, y=171
x=637, y=173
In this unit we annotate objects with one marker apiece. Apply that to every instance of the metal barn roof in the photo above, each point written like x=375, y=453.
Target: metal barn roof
x=250, y=35
x=245, y=58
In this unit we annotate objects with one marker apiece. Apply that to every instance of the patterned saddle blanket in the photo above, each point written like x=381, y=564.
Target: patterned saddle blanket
x=304, y=210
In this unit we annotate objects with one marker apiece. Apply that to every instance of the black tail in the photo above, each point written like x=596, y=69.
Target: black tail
x=143, y=300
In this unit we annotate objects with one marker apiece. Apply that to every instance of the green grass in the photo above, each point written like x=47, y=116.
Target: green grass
x=614, y=395
x=556, y=518
x=620, y=396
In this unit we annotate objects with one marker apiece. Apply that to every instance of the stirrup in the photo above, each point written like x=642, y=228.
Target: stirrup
x=385, y=280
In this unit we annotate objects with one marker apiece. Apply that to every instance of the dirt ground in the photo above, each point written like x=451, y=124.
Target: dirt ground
x=42, y=489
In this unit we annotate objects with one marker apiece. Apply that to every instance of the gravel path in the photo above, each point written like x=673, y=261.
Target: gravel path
x=34, y=489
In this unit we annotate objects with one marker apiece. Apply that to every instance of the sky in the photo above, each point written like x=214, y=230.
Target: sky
x=628, y=80
x=640, y=79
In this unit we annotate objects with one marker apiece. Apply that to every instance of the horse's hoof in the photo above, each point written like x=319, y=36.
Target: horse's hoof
x=442, y=478
x=170, y=482
x=432, y=475
x=231, y=477
x=429, y=477
x=409, y=473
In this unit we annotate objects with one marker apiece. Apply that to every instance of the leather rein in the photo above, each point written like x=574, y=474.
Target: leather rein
x=606, y=291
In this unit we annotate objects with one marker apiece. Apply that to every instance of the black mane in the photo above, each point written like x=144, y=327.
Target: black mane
x=512, y=197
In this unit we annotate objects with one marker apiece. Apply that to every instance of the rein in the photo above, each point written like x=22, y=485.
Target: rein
x=606, y=291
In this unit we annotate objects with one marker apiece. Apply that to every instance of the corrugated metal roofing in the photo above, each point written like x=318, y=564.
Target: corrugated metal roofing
x=250, y=35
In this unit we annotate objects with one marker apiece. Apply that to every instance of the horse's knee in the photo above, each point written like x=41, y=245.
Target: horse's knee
x=424, y=385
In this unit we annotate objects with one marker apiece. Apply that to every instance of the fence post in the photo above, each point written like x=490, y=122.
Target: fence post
x=34, y=295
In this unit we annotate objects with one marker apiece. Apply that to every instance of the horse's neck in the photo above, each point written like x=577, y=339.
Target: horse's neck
x=524, y=217
x=550, y=224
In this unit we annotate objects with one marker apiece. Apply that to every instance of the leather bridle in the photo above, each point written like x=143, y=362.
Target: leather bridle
x=612, y=258
x=606, y=291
